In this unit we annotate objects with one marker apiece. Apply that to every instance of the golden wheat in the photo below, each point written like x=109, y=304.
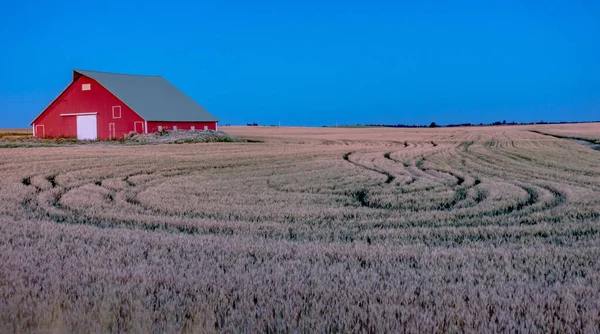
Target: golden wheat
x=479, y=229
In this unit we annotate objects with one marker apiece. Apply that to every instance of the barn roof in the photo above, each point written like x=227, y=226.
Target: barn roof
x=151, y=97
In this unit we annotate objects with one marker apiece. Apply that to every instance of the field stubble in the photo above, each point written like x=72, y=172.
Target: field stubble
x=485, y=229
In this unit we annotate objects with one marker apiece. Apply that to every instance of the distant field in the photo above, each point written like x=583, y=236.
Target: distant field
x=585, y=130
x=590, y=131
x=12, y=133
x=480, y=229
x=21, y=130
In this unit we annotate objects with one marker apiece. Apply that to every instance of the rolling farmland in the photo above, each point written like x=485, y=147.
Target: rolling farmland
x=488, y=229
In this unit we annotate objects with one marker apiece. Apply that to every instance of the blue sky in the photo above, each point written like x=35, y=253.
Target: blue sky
x=317, y=62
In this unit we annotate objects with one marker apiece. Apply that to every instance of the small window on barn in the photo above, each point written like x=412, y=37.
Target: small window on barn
x=160, y=128
x=193, y=128
x=116, y=111
x=205, y=127
x=174, y=127
x=86, y=87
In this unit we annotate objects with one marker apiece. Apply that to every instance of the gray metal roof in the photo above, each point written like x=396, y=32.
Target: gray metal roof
x=152, y=97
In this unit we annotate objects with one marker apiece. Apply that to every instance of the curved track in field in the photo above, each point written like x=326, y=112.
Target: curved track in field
x=340, y=189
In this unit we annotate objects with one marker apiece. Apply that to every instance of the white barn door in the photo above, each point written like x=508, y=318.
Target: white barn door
x=87, y=127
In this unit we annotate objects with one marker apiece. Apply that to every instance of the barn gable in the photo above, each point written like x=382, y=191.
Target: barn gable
x=98, y=105
x=151, y=97
x=86, y=97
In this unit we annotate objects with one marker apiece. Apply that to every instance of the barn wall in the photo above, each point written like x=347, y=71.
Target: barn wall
x=75, y=100
x=153, y=125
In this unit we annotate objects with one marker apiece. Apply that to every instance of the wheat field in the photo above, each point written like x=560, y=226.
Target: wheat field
x=489, y=229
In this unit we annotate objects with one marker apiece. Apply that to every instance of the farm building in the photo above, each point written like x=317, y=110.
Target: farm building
x=100, y=105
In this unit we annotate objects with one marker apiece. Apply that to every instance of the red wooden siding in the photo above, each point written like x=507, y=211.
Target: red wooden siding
x=153, y=125
x=75, y=100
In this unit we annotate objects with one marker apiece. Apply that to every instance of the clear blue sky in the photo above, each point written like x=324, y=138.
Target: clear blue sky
x=317, y=62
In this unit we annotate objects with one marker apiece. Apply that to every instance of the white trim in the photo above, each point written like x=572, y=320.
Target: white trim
x=113, y=111
x=134, y=123
x=33, y=129
x=54, y=100
x=111, y=131
x=146, y=126
x=43, y=131
x=80, y=114
x=216, y=126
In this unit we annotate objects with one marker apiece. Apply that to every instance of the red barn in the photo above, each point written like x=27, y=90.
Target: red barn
x=100, y=105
